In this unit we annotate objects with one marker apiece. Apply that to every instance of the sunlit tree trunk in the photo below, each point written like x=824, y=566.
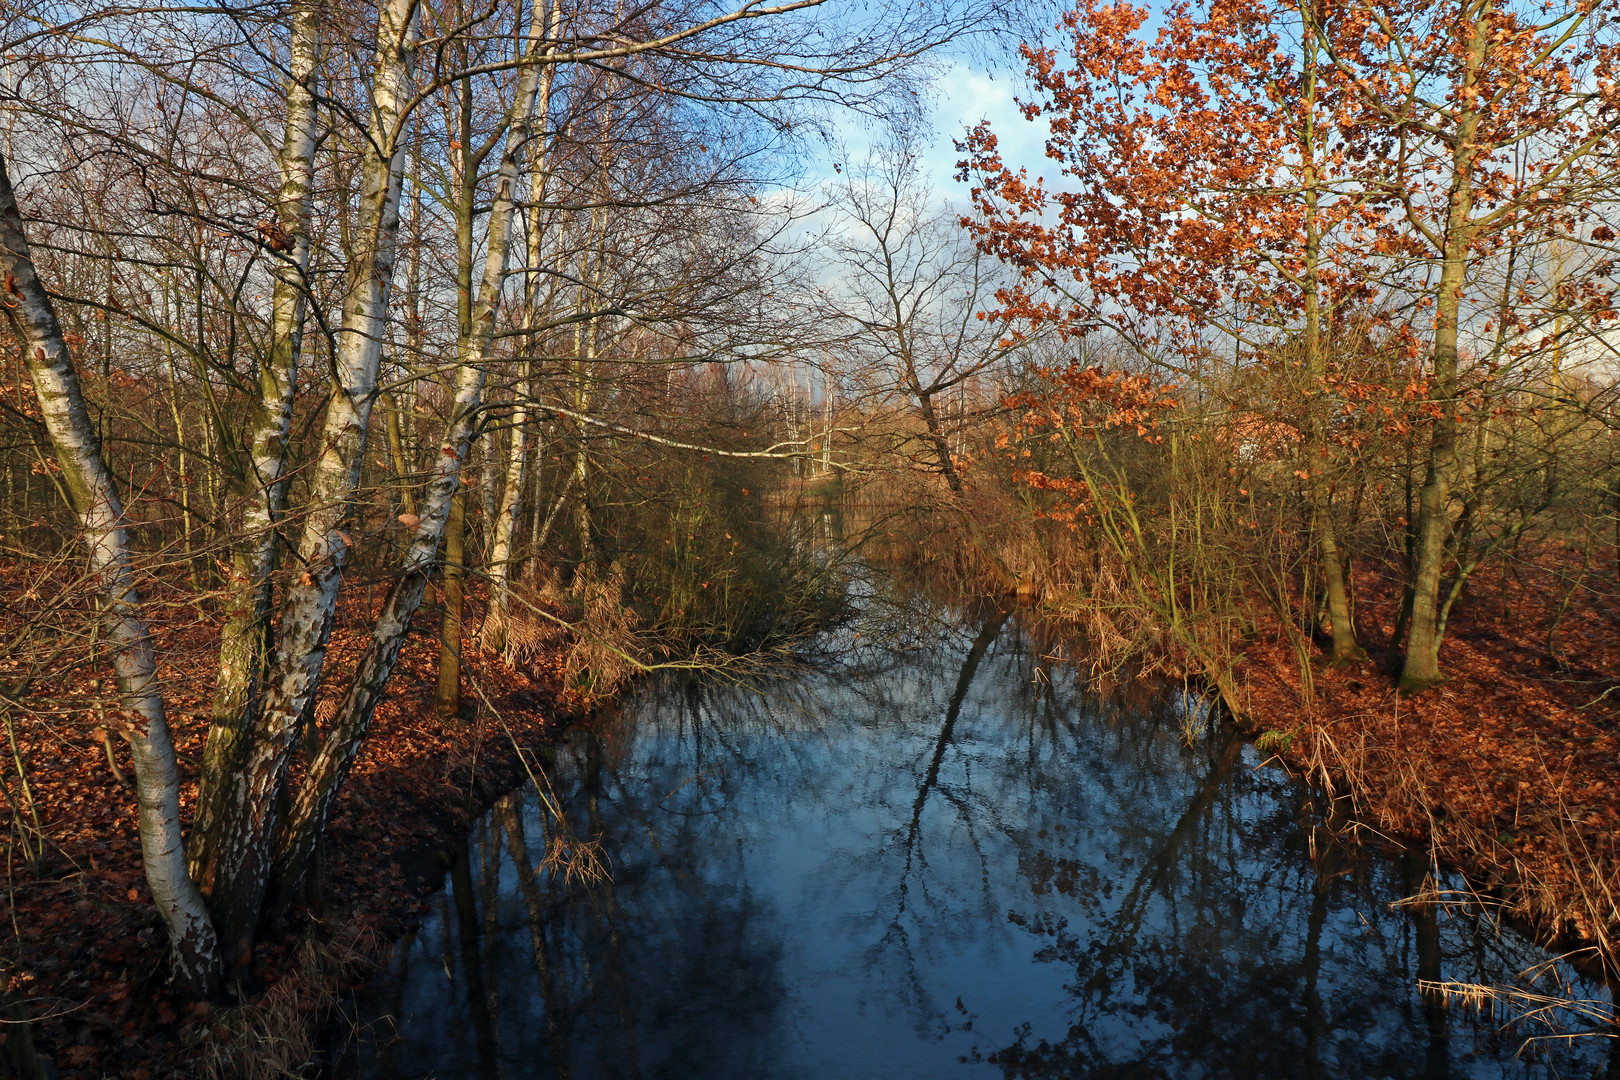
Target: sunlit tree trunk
x=396, y=454
x=591, y=275
x=262, y=483
x=249, y=816
x=500, y=554
x=1316, y=402
x=1422, y=666
x=447, y=695
x=312, y=806
x=84, y=473
x=500, y=559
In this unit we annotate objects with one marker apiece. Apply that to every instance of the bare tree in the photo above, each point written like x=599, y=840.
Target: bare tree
x=33, y=320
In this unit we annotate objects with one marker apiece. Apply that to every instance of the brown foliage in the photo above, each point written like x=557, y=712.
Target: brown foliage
x=1506, y=771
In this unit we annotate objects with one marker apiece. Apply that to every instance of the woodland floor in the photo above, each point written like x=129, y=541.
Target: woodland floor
x=1508, y=771
x=85, y=948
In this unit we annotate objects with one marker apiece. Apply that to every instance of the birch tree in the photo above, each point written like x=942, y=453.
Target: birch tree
x=331, y=764
x=243, y=640
x=32, y=317
x=501, y=550
x=760, y=69
x=250, y=806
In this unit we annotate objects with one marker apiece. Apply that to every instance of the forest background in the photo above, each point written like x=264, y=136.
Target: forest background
x=1275, y=346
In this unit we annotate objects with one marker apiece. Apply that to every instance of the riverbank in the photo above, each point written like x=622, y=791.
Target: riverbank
x=1505, y=772
x=85, y=955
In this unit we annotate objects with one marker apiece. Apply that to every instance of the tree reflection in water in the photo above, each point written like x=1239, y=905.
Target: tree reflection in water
x=947, y=860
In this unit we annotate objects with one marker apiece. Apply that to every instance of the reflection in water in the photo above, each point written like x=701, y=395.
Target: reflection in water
x=943, y=861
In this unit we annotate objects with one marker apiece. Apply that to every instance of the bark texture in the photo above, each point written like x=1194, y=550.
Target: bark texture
x=506, y=514
x=33, y=320
x=249, y=815
x=262, y=479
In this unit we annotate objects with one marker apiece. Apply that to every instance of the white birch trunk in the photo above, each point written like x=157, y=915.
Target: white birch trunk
x=312, y=806
x=249, y=816
x=28, y=309
x=243, y=639
x=500, y=556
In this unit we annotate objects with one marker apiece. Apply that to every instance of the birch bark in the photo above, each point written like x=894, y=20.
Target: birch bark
x=312, y=806
x=500, y=556
x=193, y=945
x=249, y=815
x=263, y=485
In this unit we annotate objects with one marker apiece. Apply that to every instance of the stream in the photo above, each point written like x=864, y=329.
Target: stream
x=937, y=854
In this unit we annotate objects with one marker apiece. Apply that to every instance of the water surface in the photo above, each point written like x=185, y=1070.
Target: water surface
x=951, y=858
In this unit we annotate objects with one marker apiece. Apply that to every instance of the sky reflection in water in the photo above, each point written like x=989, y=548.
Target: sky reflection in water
x=947, y=861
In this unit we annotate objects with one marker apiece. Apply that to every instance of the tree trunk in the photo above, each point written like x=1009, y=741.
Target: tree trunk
x=584, y=526
x=261, y=480
x=249, y=818
x=447, y=697
x=936, y=436
x=543, y=532
x=500, y=555
x=1422, y=666
x=1345, y=647
x=486, y=498
x=983, y=543
x=193, y=944
x=396, y=455
x=306, y=822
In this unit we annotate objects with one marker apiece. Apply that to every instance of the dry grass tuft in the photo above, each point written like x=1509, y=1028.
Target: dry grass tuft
x=1538, y=1015
x=273, y=1036
x=602, y=657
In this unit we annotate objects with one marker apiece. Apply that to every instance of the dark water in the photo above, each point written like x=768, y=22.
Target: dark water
x=947, y=860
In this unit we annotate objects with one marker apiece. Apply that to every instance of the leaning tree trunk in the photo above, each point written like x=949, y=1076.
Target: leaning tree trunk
x=28, y=309
x=249, y=817
x=295, y=849
x=262, y=479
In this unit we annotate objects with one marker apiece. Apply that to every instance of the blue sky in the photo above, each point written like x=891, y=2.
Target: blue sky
x=963, y=95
